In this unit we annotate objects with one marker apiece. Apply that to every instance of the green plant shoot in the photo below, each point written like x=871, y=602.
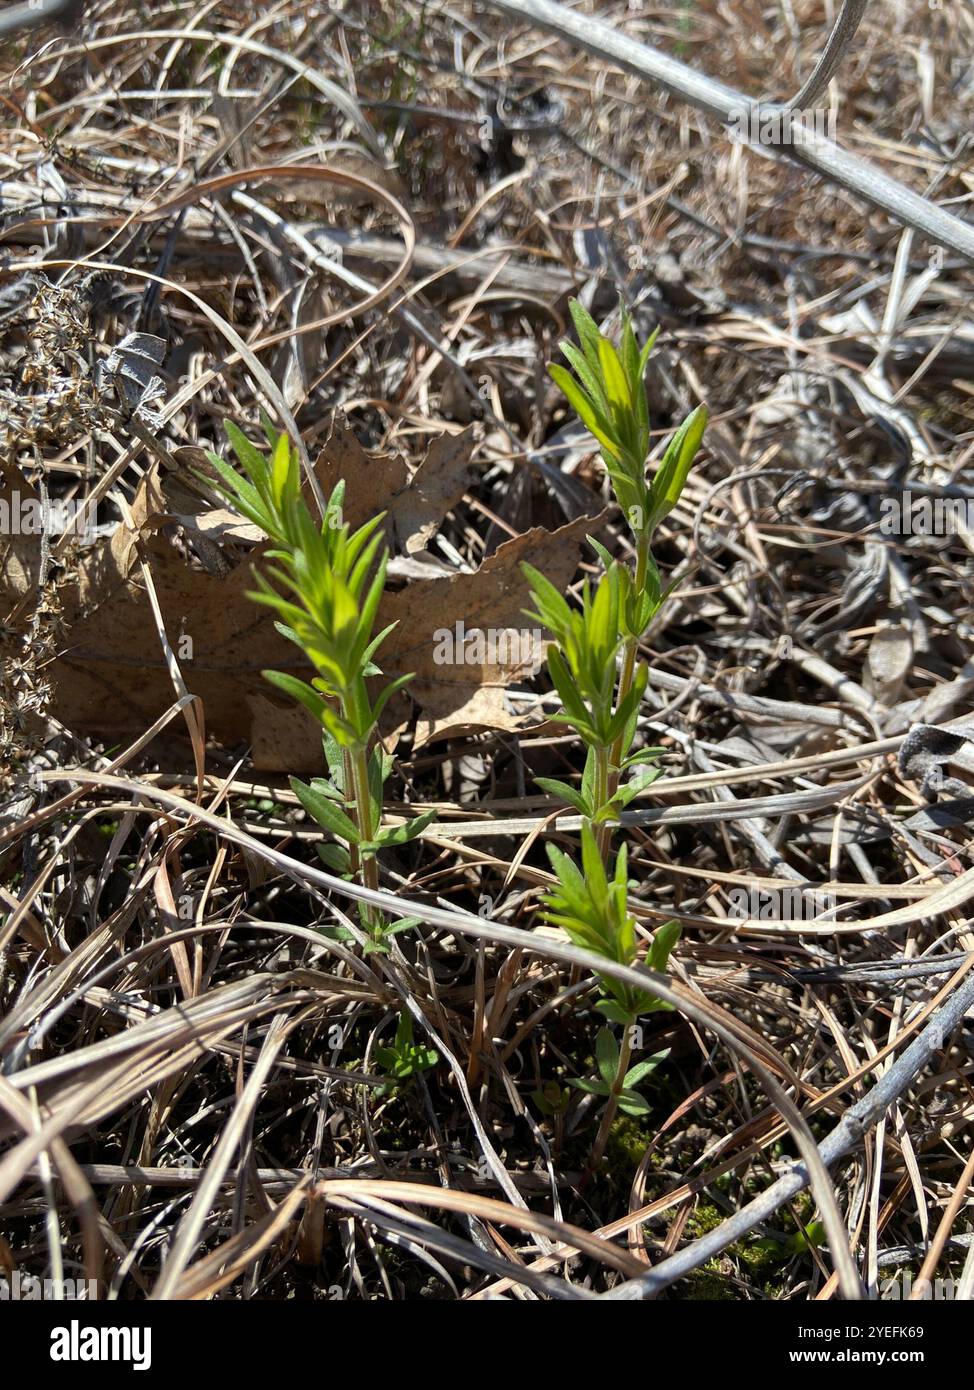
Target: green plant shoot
x=593, y=660
x=405, y=1058
x=329, y=581
x=591, y=908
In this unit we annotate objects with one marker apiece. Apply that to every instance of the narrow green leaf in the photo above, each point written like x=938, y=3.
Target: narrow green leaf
x=251, y=459
x=615, y=1011
x=590, y=381
x=298, y=690
x=632, y=1104
x=643, y=1069
x=664, y=940
x=387, y=693
x=401, y=834
x=237, y=490
x=588, y=331
x=593, y=420
x=335, y=857
x=607, y=1055
x=592, y=1088
x=647, y=349
x=325, y=812
x=616, y=385
x=564, y=793
x=677, y=460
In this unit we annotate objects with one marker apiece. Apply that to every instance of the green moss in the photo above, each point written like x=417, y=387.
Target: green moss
x=628, y=1142
x=708, y=1284
x=706, y=1217
x=759, y=1258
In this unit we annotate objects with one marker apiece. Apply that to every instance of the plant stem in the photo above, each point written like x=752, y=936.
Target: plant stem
x=368, y=869
x=628, y=661
x=612, y=1102
x=353, y=853
x=368, y=865
x=603, y=831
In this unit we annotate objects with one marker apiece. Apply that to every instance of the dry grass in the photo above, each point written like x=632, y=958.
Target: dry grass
x=189, y=1105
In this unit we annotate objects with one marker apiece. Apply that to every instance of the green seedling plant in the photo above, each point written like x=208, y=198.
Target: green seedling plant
x=593, y=664
x=583, y=664
x=591, y=909
x=614, y=1082
x=608, y=394
x=326, y=589
x=810, y=1237
x=405, y=1059
x=554, y=1101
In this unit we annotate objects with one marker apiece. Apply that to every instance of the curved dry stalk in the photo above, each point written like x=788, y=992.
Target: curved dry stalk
x=843, y=32
x=486, y=1208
